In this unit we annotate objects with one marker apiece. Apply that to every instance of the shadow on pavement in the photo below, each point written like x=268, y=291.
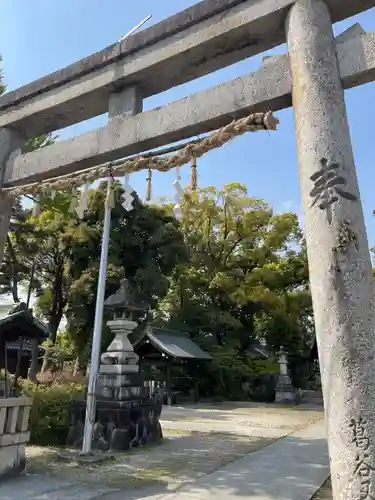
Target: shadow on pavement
x=291, y=468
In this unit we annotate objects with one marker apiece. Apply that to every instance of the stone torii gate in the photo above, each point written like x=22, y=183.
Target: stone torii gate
x=312, y=78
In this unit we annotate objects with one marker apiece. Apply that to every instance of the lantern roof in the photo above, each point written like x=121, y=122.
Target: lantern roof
x=126, y=298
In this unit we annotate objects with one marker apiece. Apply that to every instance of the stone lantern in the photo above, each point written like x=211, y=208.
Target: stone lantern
x=127, y=310
x=126, y=416
x=285, y=392
x=117, y=378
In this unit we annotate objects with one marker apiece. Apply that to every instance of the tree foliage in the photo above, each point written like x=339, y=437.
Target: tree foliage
x=246, y=281
x=231, y=272
x=245, y=262
x=145, y=246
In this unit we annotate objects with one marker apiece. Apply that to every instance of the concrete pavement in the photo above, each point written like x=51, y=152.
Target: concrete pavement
x=292, y=468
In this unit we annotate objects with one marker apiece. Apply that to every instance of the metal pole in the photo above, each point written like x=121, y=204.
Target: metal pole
x=97, y=335
x=98, y=324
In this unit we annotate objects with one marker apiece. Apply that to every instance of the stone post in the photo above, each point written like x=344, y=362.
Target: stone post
x=124, y=103
x=283, y=362
x=10, y=142
x=341, y=279
x=14, y=435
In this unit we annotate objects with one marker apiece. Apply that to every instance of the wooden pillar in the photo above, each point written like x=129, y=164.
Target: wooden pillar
x=169, y=383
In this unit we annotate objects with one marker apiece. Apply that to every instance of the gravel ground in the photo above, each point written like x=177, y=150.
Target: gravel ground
x=197, y=441
x=181, y=458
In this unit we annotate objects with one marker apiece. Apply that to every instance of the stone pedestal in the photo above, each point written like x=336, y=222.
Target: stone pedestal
x=285, y=392
x=126, y=415
x=14, y=435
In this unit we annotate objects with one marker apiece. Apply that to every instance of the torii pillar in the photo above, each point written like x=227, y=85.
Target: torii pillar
x=340, y=268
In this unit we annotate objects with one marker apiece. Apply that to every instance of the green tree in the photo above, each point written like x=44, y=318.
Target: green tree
x=14, y=268
x=2, y=84
x=241, y=263
x=247, y=268
x=145, y=245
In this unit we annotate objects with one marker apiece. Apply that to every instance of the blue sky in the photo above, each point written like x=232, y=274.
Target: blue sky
x=37, y=38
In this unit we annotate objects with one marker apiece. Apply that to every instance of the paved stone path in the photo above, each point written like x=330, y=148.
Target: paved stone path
x=292, y=468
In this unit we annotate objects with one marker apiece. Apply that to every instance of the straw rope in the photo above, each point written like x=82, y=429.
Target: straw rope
x=252, y=123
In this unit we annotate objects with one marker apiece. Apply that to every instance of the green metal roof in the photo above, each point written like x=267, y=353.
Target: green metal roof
x=35, y=327
x=172, y=343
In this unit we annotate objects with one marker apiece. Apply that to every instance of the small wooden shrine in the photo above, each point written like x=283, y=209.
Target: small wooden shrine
x=164, y=349
x=19, y=327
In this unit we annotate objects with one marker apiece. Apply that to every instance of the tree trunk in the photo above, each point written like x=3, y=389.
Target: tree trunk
x=56, y=314
x=53, y=326
x=33, y=370
x=14, y=282
x=78, y=367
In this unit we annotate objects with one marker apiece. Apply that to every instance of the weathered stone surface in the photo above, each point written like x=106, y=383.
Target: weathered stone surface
x=341, y=280
x=125, y=415
x=352, y=32
x=122, y=357
x=125, y=103
x=114, y=370
x=16, y=438
x=120, y=440
x=285, y=392
x=119, y=424
x=268, y=88
x=10, y=142
x=14, y=419
x=114, y=380
x=12, y=460
x=75, y=434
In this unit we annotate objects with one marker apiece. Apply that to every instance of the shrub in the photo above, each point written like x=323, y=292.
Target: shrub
x=62, y=377
x=235, y=377
x=50, y=413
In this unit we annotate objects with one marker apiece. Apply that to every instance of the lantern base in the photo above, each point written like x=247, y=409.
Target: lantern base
x=285, y=392
x=119, y=425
